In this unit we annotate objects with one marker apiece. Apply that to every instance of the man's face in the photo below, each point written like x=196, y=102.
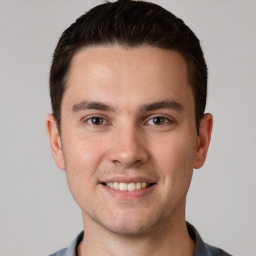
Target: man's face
x=128, y=117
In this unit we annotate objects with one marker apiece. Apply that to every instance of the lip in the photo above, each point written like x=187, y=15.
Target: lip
x=121, y=179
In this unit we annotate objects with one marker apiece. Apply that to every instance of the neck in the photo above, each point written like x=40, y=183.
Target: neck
x=172, y=240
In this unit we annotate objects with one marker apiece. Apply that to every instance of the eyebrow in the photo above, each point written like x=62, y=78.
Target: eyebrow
x=165, y=104
x=86, y=105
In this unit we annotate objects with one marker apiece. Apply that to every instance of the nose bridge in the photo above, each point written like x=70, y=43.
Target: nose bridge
x=128, y=145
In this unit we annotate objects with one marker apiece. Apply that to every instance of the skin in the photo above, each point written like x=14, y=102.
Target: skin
x=128, y=144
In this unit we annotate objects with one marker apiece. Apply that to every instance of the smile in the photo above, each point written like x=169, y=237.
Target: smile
x=128, y=186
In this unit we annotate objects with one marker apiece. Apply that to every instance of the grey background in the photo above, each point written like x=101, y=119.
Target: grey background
x=37, y=213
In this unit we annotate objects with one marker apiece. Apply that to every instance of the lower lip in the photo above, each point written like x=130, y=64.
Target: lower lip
x=128, y=195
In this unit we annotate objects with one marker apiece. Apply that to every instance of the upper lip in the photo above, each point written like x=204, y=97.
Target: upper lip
x=122, y=179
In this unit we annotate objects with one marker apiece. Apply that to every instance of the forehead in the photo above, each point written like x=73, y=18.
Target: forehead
x=127, y=74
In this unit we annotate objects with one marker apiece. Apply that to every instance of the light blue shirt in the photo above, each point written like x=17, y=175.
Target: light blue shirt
x=202, y=249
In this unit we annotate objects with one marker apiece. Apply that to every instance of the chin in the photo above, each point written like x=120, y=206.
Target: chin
x=129, y=225
x=129, y=229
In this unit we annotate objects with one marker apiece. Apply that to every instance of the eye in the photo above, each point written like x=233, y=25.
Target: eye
x=158, y=120
x=96, y=120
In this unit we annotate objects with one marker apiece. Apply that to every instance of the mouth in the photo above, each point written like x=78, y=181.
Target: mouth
x=133, y=186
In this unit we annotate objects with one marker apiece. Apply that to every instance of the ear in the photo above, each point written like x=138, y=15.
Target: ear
x=204, y=138
x=55, y=141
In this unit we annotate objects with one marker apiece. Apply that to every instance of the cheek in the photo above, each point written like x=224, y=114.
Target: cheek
x=176, y=156
x=82, y=157
x=81, y=153
x=80, y=161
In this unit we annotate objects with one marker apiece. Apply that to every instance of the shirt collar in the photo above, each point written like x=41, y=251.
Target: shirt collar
x=71, y=251
x=201, y=248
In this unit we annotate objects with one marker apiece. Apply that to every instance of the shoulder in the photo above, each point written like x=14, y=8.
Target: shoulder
x=214, y=251
x=60, y=253
x=71, y=250
x=202, y=248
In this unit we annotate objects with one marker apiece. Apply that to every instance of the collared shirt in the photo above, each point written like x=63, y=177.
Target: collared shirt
x=202, y=249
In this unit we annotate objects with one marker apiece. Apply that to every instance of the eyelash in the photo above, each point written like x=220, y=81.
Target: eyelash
x=104, y=122
x=165, y=119
x=89, y=120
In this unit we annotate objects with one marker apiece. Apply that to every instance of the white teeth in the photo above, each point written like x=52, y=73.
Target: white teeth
x=127, y=186
x=131, y=186
x=116, y=185
x=138, y=185
x=123, y=186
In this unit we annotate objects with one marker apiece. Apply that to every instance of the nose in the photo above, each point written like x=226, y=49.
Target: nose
x=128, y=147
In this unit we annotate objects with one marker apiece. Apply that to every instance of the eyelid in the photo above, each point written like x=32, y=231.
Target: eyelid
x=87, y=118
x=167, y=119
x=90, y=119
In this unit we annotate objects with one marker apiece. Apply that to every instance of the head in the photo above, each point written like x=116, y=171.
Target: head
x=129, y=24
x=128, y=90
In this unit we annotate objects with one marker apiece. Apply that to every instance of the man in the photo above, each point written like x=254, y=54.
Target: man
x=128, y=88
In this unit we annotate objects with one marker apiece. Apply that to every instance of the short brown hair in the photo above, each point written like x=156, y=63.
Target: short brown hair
x=131, y=24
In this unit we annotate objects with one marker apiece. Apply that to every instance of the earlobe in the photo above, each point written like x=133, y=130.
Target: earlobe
x=204, y=138
x=55, y=141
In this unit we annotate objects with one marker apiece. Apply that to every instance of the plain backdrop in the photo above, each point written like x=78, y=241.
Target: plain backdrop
x=37, y=213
